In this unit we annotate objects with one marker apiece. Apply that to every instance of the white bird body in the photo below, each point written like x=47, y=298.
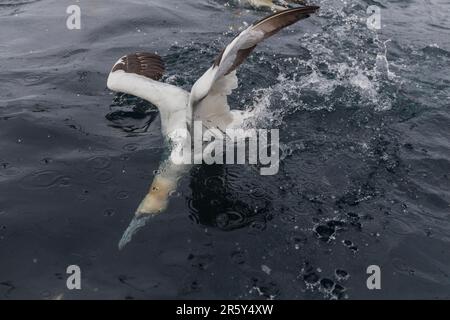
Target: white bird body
x=262, y=4
x=269, y=4
x=138, y=74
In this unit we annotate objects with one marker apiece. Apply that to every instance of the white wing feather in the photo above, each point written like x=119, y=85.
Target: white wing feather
x=213, y=81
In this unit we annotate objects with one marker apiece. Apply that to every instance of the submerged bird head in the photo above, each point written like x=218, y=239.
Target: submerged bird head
x=154, y=203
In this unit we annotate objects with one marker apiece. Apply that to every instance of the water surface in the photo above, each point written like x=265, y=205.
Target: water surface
x=363, y=116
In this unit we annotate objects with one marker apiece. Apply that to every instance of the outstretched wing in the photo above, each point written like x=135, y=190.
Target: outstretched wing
x=236, y=52
x=138, y=74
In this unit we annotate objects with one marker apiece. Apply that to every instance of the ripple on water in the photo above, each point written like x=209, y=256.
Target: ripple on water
x=104, y=176
x=32, y=78
x=402, y=266
x=288, y=218
x=193, y=209
x=16, y=3
x=257, y=226
x=238, y=257
x=9, y=171
x=257, y=193
x=122, y=195
x=308, y=166
x=230, y=220
x=109, y=212
x=99, y=162
x=45, y=179
x=130, y=147
x=215, y=182
x=399, y=227
x=341, y=275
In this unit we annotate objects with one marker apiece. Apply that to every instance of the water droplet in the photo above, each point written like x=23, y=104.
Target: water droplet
x=266, y=269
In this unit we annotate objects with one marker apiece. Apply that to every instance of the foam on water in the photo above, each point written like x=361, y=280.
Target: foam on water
x=326, y=80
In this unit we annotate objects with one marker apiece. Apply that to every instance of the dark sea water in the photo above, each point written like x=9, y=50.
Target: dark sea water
x=364, y=179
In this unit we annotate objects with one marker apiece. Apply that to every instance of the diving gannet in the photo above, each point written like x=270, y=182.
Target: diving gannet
x=138, y=74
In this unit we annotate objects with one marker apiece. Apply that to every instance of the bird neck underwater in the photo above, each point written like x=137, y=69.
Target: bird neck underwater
x=234, y=146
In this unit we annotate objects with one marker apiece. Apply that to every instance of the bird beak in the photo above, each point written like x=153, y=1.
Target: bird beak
x=137, y=223
x=154, y=203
